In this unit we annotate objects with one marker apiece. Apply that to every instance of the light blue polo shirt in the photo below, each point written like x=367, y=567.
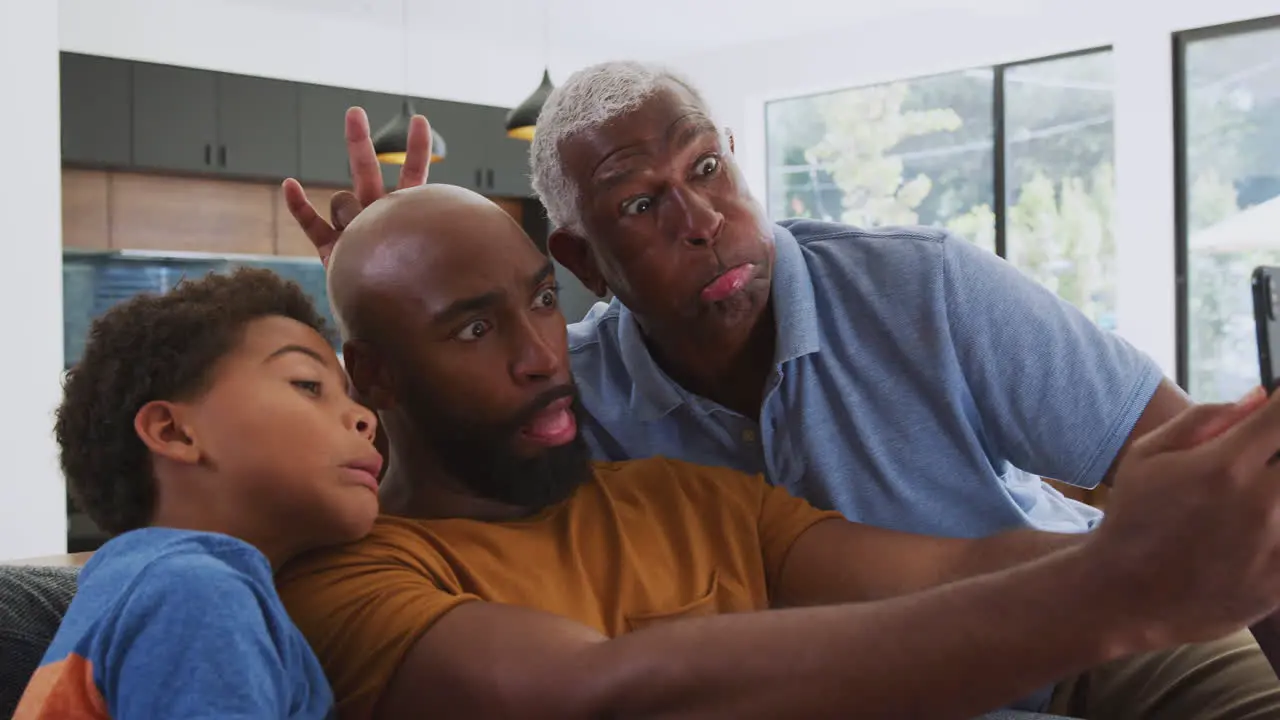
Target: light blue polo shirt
x=921, y=383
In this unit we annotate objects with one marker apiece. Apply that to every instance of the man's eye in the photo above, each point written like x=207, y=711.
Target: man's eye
x=708, y=165
x=473, y=331
x=310, y=387
x=546, y=299
x=636, y=206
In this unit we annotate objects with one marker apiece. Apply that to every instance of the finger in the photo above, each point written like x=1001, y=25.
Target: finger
x=1229, y=416
x=417, y=154
x=365, y=172
x=321, y=234
x=1192, y=426
x=343, y=208
x=1254, y=440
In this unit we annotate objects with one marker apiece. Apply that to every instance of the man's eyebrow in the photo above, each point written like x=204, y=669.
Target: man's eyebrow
x=541, y=276
x=304, y=350
x=458, y=308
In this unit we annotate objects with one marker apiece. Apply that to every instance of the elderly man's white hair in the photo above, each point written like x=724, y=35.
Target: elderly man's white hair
x=589, y=98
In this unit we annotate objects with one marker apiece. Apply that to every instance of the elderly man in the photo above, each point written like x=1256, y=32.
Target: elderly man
x=900, y=376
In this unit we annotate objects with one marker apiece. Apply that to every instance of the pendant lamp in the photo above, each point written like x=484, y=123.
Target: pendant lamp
x=522, y=119
x=391, y=142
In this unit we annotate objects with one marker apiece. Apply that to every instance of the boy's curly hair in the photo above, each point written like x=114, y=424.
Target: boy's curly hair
x=154, y=347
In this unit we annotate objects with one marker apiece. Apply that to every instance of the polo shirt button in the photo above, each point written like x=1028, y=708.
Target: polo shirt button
x=749, y=435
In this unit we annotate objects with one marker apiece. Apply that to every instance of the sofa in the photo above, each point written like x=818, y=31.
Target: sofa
x=33, y=599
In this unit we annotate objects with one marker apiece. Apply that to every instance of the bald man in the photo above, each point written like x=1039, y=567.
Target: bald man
x=509, y=576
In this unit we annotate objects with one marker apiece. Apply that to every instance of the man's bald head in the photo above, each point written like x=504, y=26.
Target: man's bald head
x=398, y=244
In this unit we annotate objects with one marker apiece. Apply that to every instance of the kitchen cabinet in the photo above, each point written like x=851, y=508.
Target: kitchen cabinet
x=175, y=118
x=151, y=212
x=321, y=134
x=257, y=127
x=506, y=158
x=97, y=115
x=481, y=156
x=196, y=121
x=149, y=117
x=84, y=209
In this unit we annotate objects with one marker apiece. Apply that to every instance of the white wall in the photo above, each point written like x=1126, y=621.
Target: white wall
x=473, y=51
x=33, y=517
x=737, y=81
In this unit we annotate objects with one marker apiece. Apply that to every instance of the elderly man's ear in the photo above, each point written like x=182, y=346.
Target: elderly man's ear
x=575, y=255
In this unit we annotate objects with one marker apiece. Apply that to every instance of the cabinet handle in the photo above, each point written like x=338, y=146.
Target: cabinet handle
x=208, y=153
x=479, y=182
x=489, y=177
x=222, y=155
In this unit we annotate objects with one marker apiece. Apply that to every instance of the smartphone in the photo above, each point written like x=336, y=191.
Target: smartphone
x=1266, y=320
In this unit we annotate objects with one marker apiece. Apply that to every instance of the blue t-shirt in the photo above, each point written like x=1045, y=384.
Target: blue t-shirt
x=920, y=383
x=177, y=624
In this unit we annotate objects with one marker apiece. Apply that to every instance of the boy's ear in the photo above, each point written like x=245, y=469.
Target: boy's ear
x=159, y=425
x=371, y=381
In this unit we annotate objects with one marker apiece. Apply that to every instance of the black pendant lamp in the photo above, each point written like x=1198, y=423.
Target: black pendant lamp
x=522, y=119
x=391, y=142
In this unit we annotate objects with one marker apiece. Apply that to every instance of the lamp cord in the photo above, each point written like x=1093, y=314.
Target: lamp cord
x=404, y=27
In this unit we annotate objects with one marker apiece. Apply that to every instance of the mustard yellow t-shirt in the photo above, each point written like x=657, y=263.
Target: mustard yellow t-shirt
x=644, y=541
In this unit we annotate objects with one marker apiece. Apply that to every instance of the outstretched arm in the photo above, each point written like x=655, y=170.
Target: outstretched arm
x=954, y=651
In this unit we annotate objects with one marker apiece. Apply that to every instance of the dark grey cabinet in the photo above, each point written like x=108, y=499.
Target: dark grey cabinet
x=257, y=127
x=175, y=118
x=96, y=110
x=321, y=134
x=507, y=158
x=455, y=122
x=118, y=113
x=481, y=156
x=198, y=121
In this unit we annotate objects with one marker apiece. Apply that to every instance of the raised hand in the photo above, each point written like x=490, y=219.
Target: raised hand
x=1192, y=534
x=366, y=177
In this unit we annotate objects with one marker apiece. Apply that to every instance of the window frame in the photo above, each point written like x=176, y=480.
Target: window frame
x=999, y=185
x=1181, y=197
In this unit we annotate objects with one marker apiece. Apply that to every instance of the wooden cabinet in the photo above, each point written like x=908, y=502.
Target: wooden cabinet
x=97, y=113
x=84, y=209
x=175, y=118
x=191, y=215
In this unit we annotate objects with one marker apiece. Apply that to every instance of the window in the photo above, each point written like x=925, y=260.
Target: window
x=915, y=152
x=1228, y=155
x=1059, y=145
x=941, y=151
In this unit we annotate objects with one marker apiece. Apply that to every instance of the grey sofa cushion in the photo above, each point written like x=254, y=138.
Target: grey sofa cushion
x=32, y=603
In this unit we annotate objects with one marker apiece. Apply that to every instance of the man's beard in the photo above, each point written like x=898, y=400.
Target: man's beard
x=481, y=456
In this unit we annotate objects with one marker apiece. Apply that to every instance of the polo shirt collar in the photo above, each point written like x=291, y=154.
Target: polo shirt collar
x=654, y=394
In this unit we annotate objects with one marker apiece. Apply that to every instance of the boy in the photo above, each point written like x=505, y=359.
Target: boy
x=210, y=430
